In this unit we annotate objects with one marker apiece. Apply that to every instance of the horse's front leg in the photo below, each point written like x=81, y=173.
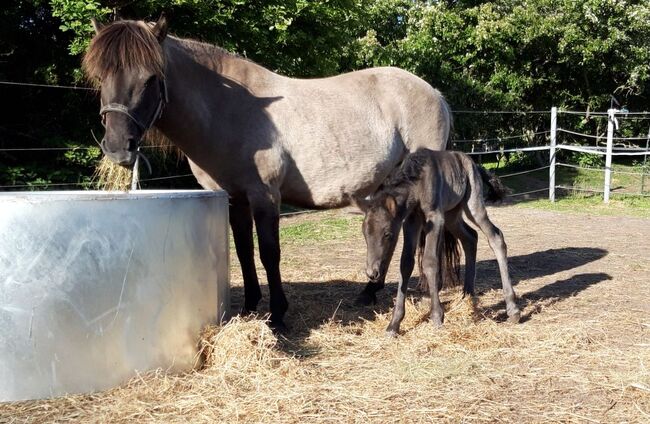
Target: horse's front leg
x=241, y=222
x=266, y=212
x=411, y=229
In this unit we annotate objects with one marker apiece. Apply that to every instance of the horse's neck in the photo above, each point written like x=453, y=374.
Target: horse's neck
x=201, y=81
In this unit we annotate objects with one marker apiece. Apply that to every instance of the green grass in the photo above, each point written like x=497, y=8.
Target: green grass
x=594, y=205
x=327, y=228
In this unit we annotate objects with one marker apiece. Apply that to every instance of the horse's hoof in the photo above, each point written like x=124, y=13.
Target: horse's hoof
x=278, y=327
x=391, y=334
x=515, y=318
x=247, y=311
x=437, y=321
x=365, y=299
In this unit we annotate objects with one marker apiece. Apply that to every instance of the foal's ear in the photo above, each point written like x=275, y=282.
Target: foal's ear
x=391, y=205
x=96, y=25
x=159, y=30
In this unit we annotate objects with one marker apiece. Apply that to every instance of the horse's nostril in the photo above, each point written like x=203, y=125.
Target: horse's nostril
x=372, y=274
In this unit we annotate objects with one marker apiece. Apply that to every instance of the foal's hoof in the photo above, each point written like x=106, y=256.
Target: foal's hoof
x=515, y=318
x=365, y=299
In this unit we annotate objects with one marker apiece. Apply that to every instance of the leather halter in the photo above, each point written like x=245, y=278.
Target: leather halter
x=163, y=99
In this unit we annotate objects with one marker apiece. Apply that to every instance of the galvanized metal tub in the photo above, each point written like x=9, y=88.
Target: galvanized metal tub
x=96, y=286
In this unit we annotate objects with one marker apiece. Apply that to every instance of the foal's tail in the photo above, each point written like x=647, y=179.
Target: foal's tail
x=494, y=190
x=450, y=264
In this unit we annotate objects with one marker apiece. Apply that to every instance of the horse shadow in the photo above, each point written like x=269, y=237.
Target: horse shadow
x=314, y=304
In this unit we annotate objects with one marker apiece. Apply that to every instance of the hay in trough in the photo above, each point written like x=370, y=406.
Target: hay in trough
x=581, y=354
x=111, y=176
x=155, y=146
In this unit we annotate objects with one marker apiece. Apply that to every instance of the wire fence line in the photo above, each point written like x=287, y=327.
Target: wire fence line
x=615, y=171
x=29, y=84
x=529, y=171
x=512, y=137
x=599, y=137
x=589, y=190
x=514, y=147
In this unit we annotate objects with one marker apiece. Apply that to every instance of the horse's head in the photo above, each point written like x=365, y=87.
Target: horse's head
x=381, y=227
x=126, y=59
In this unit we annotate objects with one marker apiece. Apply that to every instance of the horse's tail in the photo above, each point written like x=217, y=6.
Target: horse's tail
x=450, y=272
x=494, y=190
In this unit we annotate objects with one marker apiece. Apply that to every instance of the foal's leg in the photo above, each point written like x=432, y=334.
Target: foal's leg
x=411, y=230
x=241, y=222
x=469, y=240
x=431, y=263
x=266, y=212
x=476, y=211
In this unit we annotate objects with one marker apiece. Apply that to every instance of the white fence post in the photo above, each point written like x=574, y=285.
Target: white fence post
x=611, y=121
x=551, y=172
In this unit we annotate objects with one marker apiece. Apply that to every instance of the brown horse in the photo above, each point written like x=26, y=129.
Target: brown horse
x=262, y=137
x=431, y=190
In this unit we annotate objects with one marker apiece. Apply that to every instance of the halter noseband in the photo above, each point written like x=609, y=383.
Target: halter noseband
x=120, y=108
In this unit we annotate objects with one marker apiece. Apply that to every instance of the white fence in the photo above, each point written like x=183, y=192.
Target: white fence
x=609, y=151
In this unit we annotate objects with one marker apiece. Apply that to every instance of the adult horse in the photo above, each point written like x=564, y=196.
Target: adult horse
x=262, y=137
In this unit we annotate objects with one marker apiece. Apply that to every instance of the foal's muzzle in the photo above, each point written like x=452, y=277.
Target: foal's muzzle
x=373, y=274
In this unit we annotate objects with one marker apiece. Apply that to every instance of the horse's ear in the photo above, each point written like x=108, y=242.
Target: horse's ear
x=391, y=205
x=96, y=25
x=159, y=30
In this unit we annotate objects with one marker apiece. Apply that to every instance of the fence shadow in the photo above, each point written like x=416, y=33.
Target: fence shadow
x=313, y=304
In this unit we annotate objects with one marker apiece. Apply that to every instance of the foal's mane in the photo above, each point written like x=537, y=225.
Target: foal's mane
x=406, y=174
x=123, y=45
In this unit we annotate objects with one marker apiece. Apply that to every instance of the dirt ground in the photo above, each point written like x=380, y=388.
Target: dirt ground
x=581, y=277
x=580, y=354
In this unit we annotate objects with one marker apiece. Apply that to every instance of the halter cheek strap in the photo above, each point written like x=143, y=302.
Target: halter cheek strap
x=120, y=108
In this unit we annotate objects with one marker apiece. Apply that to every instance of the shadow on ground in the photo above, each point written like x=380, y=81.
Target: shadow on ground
x=314, y=303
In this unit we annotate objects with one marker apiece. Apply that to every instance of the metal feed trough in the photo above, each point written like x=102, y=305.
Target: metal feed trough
x=96, y=286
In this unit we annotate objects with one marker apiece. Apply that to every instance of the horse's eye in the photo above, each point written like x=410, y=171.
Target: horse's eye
x=387, y=235
x=148, y=82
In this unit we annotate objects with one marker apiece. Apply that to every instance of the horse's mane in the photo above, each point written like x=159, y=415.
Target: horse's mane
x=123, y=45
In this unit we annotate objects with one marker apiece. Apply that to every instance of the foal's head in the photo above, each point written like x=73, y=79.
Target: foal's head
x=381, y=226
x=126, y=59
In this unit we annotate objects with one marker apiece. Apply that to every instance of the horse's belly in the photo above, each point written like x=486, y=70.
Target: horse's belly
x=332, y=177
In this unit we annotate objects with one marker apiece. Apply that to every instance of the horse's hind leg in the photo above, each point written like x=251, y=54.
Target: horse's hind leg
x=469, y=240
x=411, y=229
x=241, y=222
x=266, y=212
x=431, y=262
x=476, y=211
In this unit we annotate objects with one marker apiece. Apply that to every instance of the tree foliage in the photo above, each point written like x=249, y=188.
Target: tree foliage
x=497, y=55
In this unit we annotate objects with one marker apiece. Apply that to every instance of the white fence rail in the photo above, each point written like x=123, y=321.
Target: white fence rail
x=609, y=151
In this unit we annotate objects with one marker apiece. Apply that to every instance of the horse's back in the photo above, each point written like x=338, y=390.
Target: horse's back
x=344, y=134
